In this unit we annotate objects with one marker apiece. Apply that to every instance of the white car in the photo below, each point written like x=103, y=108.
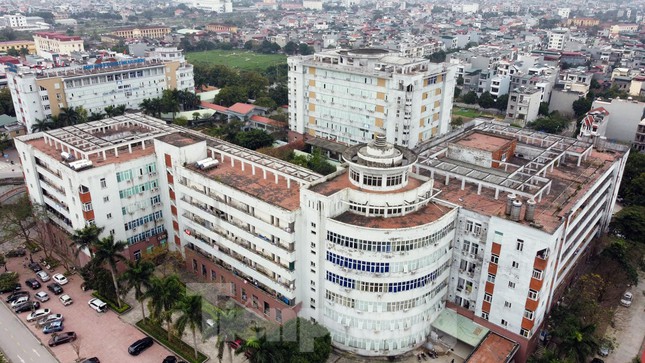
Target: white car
x=97, y=305
x=60, y=279
x=38, y=314
x=41, y=296
x=19, y=301
x=65, y=300
x=43, y=276
x=626, y=300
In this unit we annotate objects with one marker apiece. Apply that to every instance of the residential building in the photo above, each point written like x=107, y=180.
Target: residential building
x=18, y=45
x=622, y=118
x=557, y=39
x=49, y=44
x=616, y=29
x=149, y=32
x=312, y=4
x=349, y=96
x=39, y=94
x=524, y=104
x=594, y=125
x=564, y=12
x=480, y=231
x=639, y=140
x=583, y=22
x=15, y=21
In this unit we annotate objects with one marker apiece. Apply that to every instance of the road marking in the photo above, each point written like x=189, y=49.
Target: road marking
x=22, y=360
x=35, y=352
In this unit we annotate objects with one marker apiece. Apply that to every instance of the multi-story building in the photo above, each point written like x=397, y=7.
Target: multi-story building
x=18, y=45
x=583, y=22
x=48, y=44
x=524, y=104
x=149, y=32
x=349, y=96
x=639, y=139
x=484, y=228
x=221, y=28
x=217, y=6
x=15, y=21
x=557, y=39
x=39, y=94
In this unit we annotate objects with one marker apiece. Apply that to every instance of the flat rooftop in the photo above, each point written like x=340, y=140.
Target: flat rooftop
x=342, y=181
x=493, y=349
x=482, y=141
x=427, y=214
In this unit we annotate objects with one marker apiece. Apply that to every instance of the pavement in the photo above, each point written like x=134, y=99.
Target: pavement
x=627, y=328
x=18, y=343
x=7, y=169
x=104, y=335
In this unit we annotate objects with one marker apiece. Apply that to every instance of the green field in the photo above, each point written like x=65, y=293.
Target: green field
x=240, y=59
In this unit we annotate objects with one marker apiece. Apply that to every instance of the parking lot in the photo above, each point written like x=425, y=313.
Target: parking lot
x=103, y=335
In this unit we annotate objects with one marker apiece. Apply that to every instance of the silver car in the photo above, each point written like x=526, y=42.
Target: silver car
x=50, y=319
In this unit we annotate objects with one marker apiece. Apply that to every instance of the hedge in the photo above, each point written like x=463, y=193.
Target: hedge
x=177, y=346
x=124, y=306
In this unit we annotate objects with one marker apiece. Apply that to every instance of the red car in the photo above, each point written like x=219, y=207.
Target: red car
x=235, y=344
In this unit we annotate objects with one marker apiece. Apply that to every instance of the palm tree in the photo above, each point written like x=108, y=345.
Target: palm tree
x=137, y=277
x=579, y=343
x=109, y=251
x=68, y=116
x=119, y=110
x=95, y=116
x=164, y=293
x=86, y=237
x=226, y=325
x=41, y=125
x=190, y=307
x=110, y=111
x=260, y=350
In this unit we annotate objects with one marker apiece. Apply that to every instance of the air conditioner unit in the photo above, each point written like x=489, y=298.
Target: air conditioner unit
x=140, y=176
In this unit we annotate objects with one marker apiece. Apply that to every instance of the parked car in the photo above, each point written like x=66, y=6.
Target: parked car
x=91, y=360
x=50, y=319
x=15, y=295
x=40, y=313
x=43, y=276
x=35, y=267
x=20, y=300
x=626, y=300
x=66, y=300
x=61, y=338
x=28, y=306
x=54, y=327
x=11, y=288
x=60, y=279
x=140, y=345
x=172, y=359
x=97, y=305
x=17, y=252
x=55, y=288
x=33, y=283
x=41, y=296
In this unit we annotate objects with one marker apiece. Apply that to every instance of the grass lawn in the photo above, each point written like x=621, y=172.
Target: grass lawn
x=465, y=112
x=241, y=59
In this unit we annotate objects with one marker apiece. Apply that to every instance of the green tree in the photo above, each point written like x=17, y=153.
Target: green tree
x=630, y=222
x=151, y=107
x=69, y=116
x=290, y=48
x=254, y=83
x=95, y=116
x=544, y=109
x=6, y=102
x=581, y=106
x=305, y=49
x=267, y=102
x=579, y=343
x=486, y=100
x=254, y=139
x=23, y=220
x=279, y=94
x=231, y=95
x=460, y=80
x=170, y=102
x=553, y=124
x=109, y=252
x=502, y=102
x=190, y=308
x=456, y=93
x=13, y=52
x=137, y=277
x=164, y=294
x=437, y=57
x=470, y=98
x=633, y=184
x=42, y=125
x=86, y=238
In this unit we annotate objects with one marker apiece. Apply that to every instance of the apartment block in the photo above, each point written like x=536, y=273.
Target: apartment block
x=148, y=32
x=524, y=104
x=481, y=232
x=557, y=39
x=350, y=96
x=15, y=21
x=49, y=44
x=18, y=45
x=38, y=94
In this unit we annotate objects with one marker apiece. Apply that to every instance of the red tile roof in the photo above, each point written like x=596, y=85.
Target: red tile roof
x=266, y=120
x=241, y=108
x=213, y=106
x=57, y=36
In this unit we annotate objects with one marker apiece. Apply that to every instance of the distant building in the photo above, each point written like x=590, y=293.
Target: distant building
x=217, y=6
x=622, y=117
x=15, y=21
x=49, y=44
x=557, y=39
x=564, y=12
x=221, y=28
x=350, y=96
x=312, y=4
x=18, y=45
x=524, y=104
x=583, y=22
x=150, y=32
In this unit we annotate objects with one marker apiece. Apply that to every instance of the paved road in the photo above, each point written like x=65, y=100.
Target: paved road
x=17, y=342
x=629, y=332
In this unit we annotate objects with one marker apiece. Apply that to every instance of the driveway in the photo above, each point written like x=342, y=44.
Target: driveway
x=104, y=335
x=628, y=329
x=17, y=342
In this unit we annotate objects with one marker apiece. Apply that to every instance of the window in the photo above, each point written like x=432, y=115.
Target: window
x=537, y=274
x=504, y=322
x=491, y=278
x=109, y=216
x=488, y=297
x=87, y=207
x=267, y=308
x=484, y=315
x=516, y=264
x=511, y=284
x=243, y=295
x=137, y=255
x=507, y=304
x=103, y=183
x=494, y=259
x=106, y=199
x=254, y=301
x=525, y=333
x=533, y=295
x=278, y=315
x=528, y=314
x=520, y=245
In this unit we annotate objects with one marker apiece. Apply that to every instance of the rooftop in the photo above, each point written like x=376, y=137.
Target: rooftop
x=494, y=349
x=482, y=141
x=342, y=181
x=427, y=214
x=57, y=36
